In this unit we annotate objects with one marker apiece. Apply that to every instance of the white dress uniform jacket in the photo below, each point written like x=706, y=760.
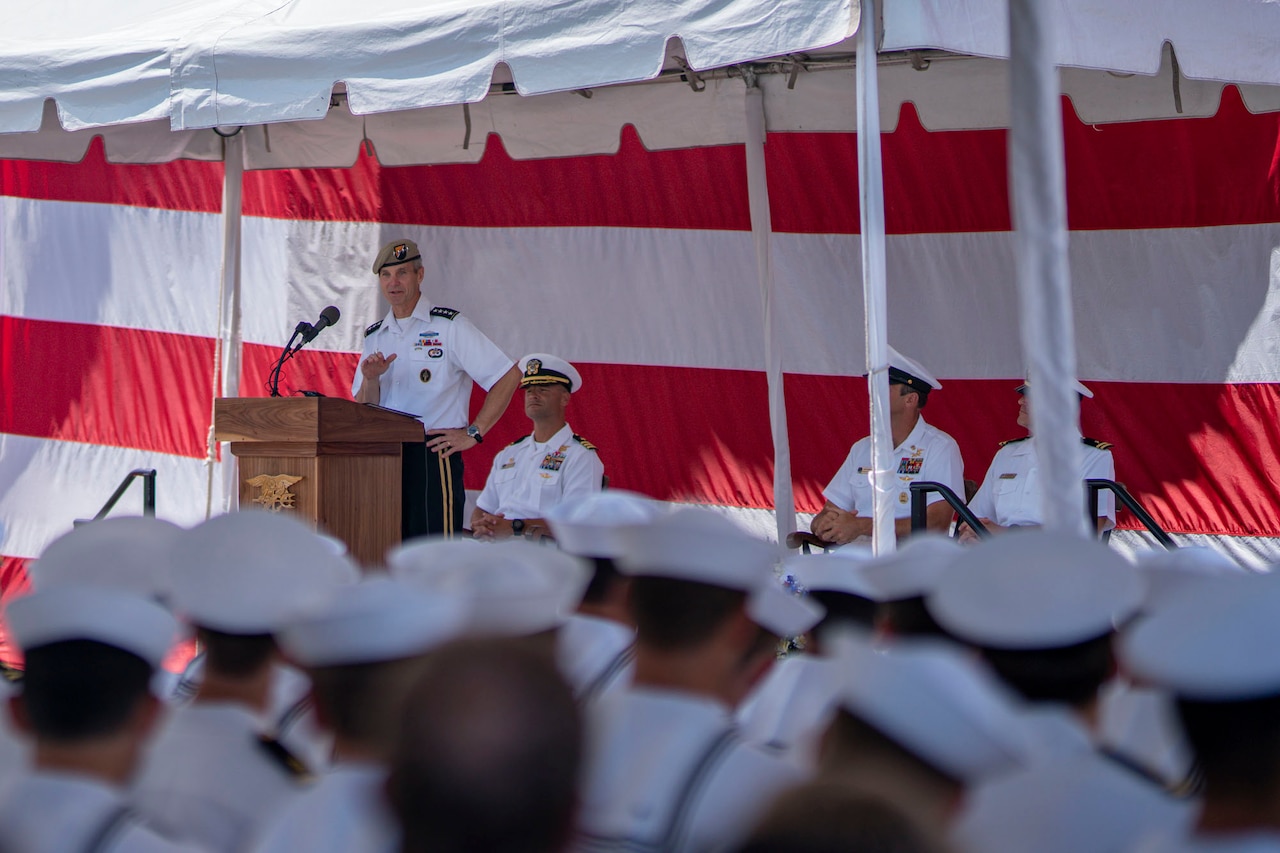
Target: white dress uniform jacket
x=792, y=706
x=438, y=355
x=1071, y=797
x=1240, y=842
x=596, y=656
x=668, y=771
x=927, y=454
x=209, y=777
x=528, y=478
x=48, y=812
x=343, y=812
x=1010, y=494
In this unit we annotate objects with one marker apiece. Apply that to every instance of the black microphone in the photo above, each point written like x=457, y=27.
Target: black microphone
x=328, y=317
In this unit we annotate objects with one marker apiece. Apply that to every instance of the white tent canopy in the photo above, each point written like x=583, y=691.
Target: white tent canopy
x=153, y=79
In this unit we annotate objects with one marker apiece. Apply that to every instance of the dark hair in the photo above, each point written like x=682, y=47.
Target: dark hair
x=922, y=393
x=826, y=816
x=674, y=614
x=843, y=608
x=604, y=579
x=81, y=689
x=362, y=702
x=1070, y=674
x=908, y=617
x=1236, y=747
x=489, y=753
x=851, y=740
x=235, y=655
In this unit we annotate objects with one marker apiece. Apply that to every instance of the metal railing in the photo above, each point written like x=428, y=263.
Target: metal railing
x=148, y=476
x=920, y=507
x=1131, y=504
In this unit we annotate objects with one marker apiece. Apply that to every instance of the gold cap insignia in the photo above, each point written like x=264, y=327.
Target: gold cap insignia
x=273, y=490
x=533, y=366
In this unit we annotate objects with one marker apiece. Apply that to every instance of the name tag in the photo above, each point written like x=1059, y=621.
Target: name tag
x=1008, y=476
x=864, y=470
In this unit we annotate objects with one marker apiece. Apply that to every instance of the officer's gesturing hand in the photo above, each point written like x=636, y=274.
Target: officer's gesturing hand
x=376, y=365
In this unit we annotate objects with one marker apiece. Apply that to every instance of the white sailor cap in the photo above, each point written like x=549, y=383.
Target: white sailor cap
x=589, y=526
x=1035, y=590
x=123, y=553
x=914, y=569
x=1081, y=388
x=512, y=588
x=704, y=546
x=254, y=572
x=1168, y=573
x=113, y=617
x=831, y=572
x=540, y=368
x=1212, y=642
x=909, y=372
x=378, y=619
x=937, y=703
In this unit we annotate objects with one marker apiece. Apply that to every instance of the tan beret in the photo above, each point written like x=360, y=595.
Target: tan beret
x=395, y=253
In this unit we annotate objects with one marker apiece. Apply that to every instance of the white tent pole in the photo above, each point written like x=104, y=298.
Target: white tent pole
x=1037, y=177
x=230, y=340
x=871, y=201
x=762, y=235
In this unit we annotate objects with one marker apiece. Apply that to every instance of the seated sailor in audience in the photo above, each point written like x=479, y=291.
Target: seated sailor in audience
x=90, y=654
x=362, y=651
x=1211, y=646
x=920, y=452
x=666, y=768
x=213, y=775
x=1042, y=610
x=534, y=473
x=489, y=753
x=1010, y=494
x=596, y=646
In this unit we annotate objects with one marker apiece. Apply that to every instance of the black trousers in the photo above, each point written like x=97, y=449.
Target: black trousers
x=433, y=497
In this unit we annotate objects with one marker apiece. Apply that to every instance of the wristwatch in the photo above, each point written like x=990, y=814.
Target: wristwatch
x=474, y=432
x=517, y=526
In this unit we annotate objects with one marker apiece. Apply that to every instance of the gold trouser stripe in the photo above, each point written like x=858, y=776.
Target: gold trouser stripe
x=446, y=488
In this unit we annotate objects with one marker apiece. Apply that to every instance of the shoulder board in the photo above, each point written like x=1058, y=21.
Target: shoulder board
x=1101, y=445
x=280, y=755
x=1014, y=440
x=375, y=327
x=518, y=440
x=447, y=313
x=10, y=673
x=588, y=445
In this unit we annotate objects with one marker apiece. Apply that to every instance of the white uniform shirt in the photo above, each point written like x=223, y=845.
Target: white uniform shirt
x=528, y=478
x=1069, y=798
x=48, y=812
x=928, y=454
x=1260, y=841
x=208, y=778
x=792, y=706
x=1010, y=494
x=596, y=656
x=666, y=770
x=437, y=359
x=342, y=812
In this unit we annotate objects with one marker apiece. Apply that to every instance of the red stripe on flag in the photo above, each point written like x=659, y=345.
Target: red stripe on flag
x=1153, y=174
x=179, y=185
x=1195, y=455
x=106, y=385
x=13, y=582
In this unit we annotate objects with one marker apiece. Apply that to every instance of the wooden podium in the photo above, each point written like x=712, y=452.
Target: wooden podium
x=335, y=463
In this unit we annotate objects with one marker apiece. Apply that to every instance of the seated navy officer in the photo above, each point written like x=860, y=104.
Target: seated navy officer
x=920, y=452
x=422, y=359
x=1010, y=496
x=538, y=471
